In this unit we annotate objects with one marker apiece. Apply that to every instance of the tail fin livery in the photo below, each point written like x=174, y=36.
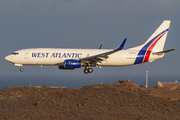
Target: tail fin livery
x=158, y=38
x=155, y=43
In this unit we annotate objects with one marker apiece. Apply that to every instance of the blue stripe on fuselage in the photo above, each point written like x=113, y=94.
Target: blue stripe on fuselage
x=140, y=56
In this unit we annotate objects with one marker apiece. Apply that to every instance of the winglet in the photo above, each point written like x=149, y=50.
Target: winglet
x=100, y=46
x=122, y=45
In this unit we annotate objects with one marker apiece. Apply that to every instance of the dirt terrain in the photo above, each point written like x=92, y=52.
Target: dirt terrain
x=122, y=101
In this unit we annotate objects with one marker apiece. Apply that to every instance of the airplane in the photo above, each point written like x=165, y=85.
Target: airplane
x=69, y=59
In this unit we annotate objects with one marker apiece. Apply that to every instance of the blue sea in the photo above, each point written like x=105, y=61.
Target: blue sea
x=77, y=81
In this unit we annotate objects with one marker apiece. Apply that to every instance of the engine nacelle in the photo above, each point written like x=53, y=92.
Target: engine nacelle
x=72, y=63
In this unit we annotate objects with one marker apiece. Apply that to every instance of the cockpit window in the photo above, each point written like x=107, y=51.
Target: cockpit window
x=14, y=53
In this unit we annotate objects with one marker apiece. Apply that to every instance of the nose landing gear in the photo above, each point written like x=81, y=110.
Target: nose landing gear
x=21, y=69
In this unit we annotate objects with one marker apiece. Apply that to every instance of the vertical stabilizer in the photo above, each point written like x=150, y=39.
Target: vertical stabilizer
x=155, y=43
x=158, y=38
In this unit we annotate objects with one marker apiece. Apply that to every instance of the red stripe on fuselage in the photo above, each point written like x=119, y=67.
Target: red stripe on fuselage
x=148, y=53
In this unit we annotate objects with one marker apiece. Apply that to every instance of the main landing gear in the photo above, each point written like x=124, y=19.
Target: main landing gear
x=21, y=69
x=88, y=70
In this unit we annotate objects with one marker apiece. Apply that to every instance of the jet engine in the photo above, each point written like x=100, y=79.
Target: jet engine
x=72, y=63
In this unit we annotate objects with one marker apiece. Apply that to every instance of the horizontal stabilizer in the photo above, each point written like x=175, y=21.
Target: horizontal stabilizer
x=162, y=52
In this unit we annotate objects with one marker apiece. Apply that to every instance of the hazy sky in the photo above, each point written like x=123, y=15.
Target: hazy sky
x=87, y=24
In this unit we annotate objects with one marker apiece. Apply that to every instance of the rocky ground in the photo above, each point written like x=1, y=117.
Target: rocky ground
x=122, y=101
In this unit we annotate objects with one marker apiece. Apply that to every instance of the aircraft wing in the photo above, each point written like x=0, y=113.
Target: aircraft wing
x=93, y=60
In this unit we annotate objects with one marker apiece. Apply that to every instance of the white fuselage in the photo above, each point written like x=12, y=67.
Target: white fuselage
x=55, y=56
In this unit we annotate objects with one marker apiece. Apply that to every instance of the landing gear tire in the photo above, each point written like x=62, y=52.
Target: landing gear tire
x=86, y=71
x=21, y=69
x=90, y=70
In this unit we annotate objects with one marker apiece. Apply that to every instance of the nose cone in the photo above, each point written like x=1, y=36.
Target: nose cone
x=8, y=58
